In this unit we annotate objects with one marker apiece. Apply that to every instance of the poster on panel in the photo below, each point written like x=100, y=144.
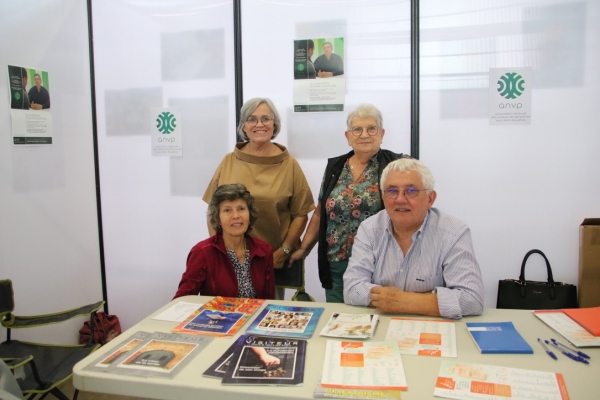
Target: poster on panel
x=319, y=82
x=510, y=96
x=166, y=132
x=31, y=118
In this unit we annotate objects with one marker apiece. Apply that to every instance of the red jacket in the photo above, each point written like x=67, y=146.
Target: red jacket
x=210, y=272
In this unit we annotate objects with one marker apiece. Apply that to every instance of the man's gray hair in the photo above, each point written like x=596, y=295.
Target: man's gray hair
x=410, y=164
x=247, y=110
x=230, y=192
x=365, y=110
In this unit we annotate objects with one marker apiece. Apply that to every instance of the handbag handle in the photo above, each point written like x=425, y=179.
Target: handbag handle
x=530, y=252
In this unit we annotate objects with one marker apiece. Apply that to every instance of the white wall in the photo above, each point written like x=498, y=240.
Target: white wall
x=48, y=230
x=517, y=187
x=152, y=54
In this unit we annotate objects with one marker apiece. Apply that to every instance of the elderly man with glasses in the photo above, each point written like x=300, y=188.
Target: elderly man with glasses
x=411, y=258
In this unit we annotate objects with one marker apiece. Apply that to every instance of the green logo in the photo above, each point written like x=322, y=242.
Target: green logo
x=510, y=85
x=17, y=96
x=165, y=122
x=300, y=67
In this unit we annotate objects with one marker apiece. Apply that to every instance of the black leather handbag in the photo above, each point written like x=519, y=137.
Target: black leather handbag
x=531, y=295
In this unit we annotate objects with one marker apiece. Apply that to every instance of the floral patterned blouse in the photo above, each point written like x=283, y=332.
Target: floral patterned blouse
x=350, y=203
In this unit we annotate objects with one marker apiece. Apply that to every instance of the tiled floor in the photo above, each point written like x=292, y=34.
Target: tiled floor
x=68, y=389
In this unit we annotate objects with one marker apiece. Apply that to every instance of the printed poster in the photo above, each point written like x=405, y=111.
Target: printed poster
x=29, y=91
x=319, y=82
x=166, y=128
x=510, y=96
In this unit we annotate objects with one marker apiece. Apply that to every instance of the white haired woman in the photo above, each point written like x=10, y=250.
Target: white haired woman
x=274, y=178
x=349, y=194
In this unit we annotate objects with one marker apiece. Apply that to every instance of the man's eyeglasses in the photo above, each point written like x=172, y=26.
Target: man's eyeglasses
x=409, y=192
x=252, y=120
x=358, y=130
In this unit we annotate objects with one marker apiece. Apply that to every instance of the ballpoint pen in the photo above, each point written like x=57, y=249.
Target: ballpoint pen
x=580, y=353
x=569, y=354
x=551, y=354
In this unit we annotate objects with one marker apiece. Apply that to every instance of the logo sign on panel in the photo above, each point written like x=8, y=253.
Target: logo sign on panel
x=510, y=96
x=166, y=128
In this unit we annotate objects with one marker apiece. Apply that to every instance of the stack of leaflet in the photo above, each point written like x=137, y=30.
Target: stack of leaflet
x=356, y=367
x=354, y=326
x=580, y=326
x=460, y=380
x=421, y=337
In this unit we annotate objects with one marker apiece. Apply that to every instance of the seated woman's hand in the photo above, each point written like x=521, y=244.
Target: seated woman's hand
x=279, y=258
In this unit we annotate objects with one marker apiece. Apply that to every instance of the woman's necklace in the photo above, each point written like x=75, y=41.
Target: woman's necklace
x=357, y=163
x=240, y=256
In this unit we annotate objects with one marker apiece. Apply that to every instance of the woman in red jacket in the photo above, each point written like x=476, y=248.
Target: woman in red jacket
x=231, y=263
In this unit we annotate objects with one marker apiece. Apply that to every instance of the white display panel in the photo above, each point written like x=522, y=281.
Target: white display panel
x=49, y=243
x=376, y=68
x=517, y=187
x=158, y=54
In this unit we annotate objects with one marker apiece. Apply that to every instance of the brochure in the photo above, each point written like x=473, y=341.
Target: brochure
x=476, y=381
x=571, y=330
x=589, y=318
x=436, y=338
x=363, y=365
x=286, y=321
x=355, y=326
x=261, y=360
x=334, y=393
x=222, y=316
x=157, y=355
x=498, y=338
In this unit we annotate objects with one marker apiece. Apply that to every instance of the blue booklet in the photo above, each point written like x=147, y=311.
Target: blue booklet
x=286, y=321
x=498, y=338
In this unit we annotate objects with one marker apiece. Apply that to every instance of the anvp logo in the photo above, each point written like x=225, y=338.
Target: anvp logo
x=510, y=85
x=165, y=122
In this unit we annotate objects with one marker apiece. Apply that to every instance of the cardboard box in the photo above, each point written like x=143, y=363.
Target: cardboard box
x=589, y=263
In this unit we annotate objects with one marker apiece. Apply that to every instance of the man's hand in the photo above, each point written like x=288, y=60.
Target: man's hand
x=387, y=299
x=323, y=74
x=35, y=106
x=393, y=300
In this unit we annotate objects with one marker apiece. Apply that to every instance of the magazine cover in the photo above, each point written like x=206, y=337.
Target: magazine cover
x=355, y=326
x=286, y=321
x=222, y=316
x=158, y=354
x=262, y=360
x=106, y=361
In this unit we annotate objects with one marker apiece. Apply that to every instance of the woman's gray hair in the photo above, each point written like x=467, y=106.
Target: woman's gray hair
x=230, y=192
x=409, y=164
x=247, y=110
x=365, y=110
